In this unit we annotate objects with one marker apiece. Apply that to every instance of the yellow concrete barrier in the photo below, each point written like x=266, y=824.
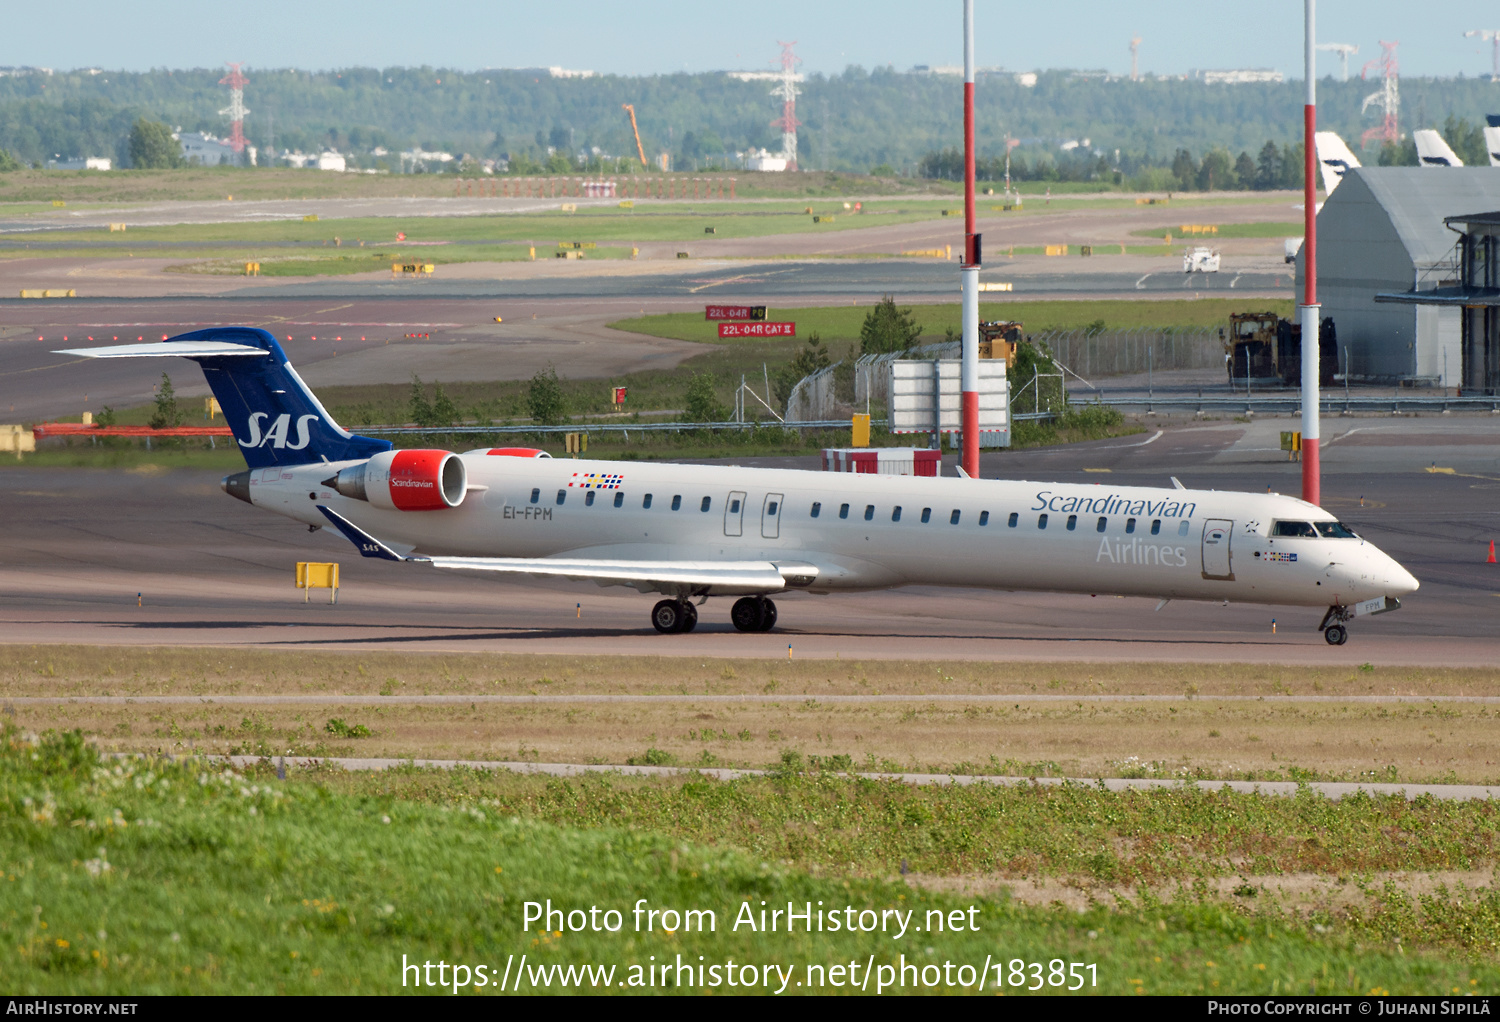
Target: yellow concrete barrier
x=314, y=575
x=1057, y=250
x=18, y=439
x=1199, y=228
x=48, y=293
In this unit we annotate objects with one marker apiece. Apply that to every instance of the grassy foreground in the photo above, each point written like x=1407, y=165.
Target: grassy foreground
x=140, y=876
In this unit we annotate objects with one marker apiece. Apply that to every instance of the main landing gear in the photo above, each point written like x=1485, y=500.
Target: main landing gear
x=670, y=616
x=1332, y=626
x=753, y=614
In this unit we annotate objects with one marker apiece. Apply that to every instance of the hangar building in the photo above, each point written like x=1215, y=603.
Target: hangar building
x=1382, y=230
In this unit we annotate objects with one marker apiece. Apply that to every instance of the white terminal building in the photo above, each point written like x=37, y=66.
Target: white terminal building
x=209, y=150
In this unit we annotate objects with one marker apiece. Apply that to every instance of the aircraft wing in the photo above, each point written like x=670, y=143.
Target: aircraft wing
x=663, y=576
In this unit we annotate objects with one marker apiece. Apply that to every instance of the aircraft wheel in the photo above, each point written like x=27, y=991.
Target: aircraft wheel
x=667, y=616
x=746, y=614
x=767, y=615
x=689, y=617
x=1336, y=635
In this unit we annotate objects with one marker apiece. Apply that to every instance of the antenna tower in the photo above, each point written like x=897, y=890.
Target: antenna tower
x=1135, y=71
x=235, y=111
x=787, y=90
x=1388, y=98
x=1492, y=36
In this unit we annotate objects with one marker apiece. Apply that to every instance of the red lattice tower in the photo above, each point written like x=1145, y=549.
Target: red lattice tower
x=1388, y=98
x=787, y=90
x=235, y=111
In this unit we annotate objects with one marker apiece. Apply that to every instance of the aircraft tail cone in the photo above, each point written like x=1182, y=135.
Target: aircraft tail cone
x=1491, y=559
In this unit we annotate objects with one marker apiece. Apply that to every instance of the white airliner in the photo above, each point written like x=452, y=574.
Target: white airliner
x=1432, y=151
x=1492, y=144
x=689, y=532
x=1334, y=159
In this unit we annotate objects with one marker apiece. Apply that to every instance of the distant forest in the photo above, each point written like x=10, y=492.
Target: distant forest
x=859, y=121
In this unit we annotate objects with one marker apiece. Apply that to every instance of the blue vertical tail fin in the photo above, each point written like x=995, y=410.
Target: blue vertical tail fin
x=276, y=419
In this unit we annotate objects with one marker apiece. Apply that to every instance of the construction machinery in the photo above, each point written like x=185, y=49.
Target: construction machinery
x=1263, y=346
x=998, y=339
x=640, y=150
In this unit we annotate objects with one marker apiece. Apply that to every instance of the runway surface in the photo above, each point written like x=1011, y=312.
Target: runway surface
x=213, y=571
x=1332, y=789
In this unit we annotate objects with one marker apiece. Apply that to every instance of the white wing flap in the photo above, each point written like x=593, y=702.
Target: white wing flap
x=761, y=576
x=180, y=349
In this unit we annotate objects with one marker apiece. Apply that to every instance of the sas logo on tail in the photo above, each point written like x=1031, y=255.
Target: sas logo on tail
x=276, y=435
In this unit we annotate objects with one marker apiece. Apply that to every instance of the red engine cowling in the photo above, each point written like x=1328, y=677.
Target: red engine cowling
x=409, y=480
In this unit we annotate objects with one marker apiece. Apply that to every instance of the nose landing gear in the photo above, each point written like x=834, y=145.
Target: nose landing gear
x=753, y=614
x=670, y=616
x=1332, y=626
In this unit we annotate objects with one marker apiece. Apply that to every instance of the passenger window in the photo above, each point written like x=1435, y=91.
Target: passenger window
x=562, y=495
x=1129, y=526
x=1041, y=521
x=646, y=502
x=771, y=508
x=1300, y=529
x=869, y=512
x=896, y=513
x=984, y=518
x=1103, y=522
x=926, y=515
x=1182, y=528
x=588, y=499
x=816, y=508
x=843, y=510
x=677, y=502
x=1156, y=526
x=1013, y=519
x=1072, y=522
x=619, y=499
x=707, y=503
x=953, y=518
x=1334, y=530
x=734, y=507
x=536, y=494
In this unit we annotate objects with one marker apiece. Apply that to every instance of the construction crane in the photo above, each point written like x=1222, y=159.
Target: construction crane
x=638, y=147
x=1343, y=50
x=1492, y=36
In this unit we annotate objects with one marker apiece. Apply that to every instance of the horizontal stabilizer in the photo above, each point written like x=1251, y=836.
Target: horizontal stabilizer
x=179, y=349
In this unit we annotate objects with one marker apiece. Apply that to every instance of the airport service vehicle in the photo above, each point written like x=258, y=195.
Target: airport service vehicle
x=1264, y=346
x=1200, y=260
x=690, y=532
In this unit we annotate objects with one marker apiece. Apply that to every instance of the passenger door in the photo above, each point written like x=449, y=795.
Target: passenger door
x=734, y=514
x=770, y=516
x=1217, y=563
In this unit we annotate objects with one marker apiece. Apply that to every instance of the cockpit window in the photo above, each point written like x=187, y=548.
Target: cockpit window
x=1335, y=530
x=1303, y=529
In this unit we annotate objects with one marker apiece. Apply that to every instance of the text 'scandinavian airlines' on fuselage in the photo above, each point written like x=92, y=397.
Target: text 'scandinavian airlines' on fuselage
x=689, y=532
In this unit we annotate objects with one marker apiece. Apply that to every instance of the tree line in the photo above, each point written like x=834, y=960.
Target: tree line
x=855, y=120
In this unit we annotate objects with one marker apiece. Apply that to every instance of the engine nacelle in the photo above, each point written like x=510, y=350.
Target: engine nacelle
x=406, y=480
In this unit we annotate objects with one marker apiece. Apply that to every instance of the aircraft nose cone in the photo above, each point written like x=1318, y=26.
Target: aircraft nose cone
x=1399, y=581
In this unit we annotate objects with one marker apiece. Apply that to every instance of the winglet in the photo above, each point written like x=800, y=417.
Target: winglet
x=365, y=543
x=1178, y=483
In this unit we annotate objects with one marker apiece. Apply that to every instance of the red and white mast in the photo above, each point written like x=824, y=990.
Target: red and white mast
x=787, y=90
x=1309, y=312
x=235, y=111
x=969, y=271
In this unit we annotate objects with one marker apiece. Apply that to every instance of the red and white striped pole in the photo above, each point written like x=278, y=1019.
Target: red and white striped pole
x=969, y=273
x=1309, y=312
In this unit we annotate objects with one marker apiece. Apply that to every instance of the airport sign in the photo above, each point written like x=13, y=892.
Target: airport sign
x=723, y=312
x=757, y=330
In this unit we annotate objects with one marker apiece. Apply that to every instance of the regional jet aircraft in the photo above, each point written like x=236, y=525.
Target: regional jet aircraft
x=689, y=532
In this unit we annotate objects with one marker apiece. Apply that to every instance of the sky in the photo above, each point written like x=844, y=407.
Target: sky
x=643, y=37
